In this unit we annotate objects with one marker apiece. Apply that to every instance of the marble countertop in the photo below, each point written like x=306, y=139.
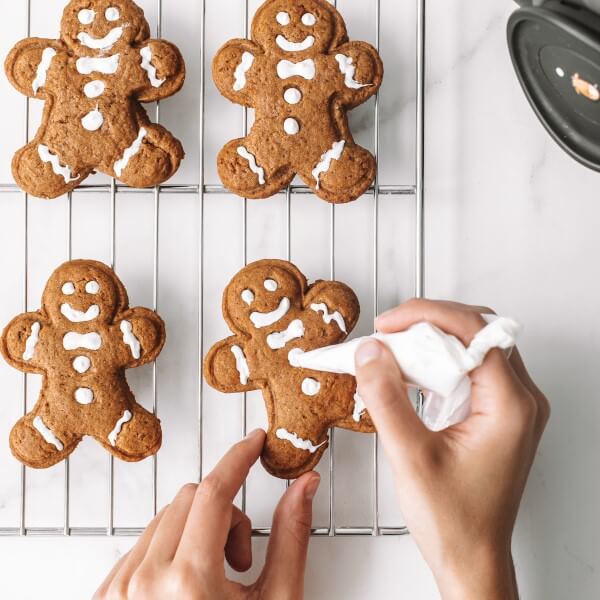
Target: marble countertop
x=510, y=222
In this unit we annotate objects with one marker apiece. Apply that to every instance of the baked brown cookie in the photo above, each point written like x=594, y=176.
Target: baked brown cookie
x=274, y=314
x=81, y=341
x=301, y=75
x=92, y=80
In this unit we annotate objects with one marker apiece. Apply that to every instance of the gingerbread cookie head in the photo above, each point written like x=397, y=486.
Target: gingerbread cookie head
x=97, y=27
x=275, y=314
x=303, y=29
x=83, y=292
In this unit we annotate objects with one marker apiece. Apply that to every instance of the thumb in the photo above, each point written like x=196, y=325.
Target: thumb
x=381, y=386
x=283, y=575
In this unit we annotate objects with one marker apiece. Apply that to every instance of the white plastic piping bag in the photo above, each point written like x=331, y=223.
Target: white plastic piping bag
x=431, y=360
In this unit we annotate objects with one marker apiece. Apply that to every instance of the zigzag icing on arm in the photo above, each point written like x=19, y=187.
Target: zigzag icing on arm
x=42, y=69
x=297, y=442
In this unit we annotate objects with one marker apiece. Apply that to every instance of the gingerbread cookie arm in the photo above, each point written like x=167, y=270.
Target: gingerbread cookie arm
x=226, y=367
x=360, y=72
x=20, y=340
x=143, y=336
x=28, y=63
x=233, y=69
x=164, y=70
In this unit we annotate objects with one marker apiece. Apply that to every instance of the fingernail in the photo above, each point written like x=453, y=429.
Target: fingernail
x=367, y=352
x=254, y=433
x=312, y=486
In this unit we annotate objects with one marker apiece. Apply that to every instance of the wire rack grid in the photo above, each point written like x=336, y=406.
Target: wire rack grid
x=203, y=190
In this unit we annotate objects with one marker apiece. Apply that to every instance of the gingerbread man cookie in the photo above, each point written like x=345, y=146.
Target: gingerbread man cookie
x=81, y=341
x=274, y=315
x=301, y=75
x=92, y=80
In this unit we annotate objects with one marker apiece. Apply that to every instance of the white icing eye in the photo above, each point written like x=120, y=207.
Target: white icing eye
x=112, y=14
x=68, y=289
x=92, y=287
x=248, y=297
x=86, y=16
x=308, y=19
x=283, y=18
x=270, y=285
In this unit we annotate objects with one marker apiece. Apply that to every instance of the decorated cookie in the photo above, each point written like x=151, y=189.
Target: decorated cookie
x=301, y=75
x=81, y=341
x=92, y=81
x=275, y=315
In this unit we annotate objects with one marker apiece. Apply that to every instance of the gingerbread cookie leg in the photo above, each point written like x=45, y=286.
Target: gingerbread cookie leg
x=36, y=445
x=40, y=172
x=243, y=171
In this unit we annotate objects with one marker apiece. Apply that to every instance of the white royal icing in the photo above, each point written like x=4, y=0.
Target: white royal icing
x=252, y=164
x=310, y=386
x=283, y=18
x=86, y=16
x=241, y=364
x=292, y=95
x=42, y=70
x=68, y=288
x=348, y=69
x=284, y=434
x=93, y=120
x=270, y=285
x=359, y=408
x=92, y=287
x=305, y=69
x=294, y=331
x=130, y=152
x=93, y=89
x=288, y=46
x=293, y=356
x=84, y=395
x=334, y=153
x=112, y=13
x=77, y=316
x=265, y=319
x=47, y=434
x=112, y=436
x=328, y=317
x=308, y=19
x=82, y=364
x=291, y=126
x=107, y=65
x=90, y=341
x=105, y=43
x=130, y=339
x=32, y=341
x=240, y=71
x=48, y=157
x=248, y=297
x=150, y=69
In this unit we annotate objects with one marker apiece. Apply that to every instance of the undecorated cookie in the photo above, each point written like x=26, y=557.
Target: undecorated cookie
x=92, y=81
x=301, y=75
x=275, y=314
x=81, y=341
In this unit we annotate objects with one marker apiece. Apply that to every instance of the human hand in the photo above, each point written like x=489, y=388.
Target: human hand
x=460, y=488
x=181, y=554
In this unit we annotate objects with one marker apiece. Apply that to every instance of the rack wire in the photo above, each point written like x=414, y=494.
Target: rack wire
x=202, y=190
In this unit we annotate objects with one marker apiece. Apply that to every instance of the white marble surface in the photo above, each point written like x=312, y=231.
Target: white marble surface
x=510, y=222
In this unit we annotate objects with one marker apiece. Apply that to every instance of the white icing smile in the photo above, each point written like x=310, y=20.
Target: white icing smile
x=32, y=341
x=48, y=157
x=294, y=331
x=288, y=46
x=105, y=43
x=265, y=319
x=112, y=436
x=42, y=70
x=241, y=70
x=241, y=364
x=77, y=316
x=146, y=54
x=297, y=442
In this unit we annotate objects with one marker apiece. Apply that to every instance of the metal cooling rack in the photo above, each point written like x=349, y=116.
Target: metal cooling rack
x=202, y=189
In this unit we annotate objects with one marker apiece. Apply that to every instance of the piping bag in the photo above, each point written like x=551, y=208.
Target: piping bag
x=430, y=359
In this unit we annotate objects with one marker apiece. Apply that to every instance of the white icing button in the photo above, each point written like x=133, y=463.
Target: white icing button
x=112, y=14
x=248, y=297
x=270, y=285
x=93, y=120
x=82, y=364
x=283, y=18
x=292, y=95
x=308, y=19
x=291, y=126
x=310, y=387
x=86, y=16
x=92, y=287
x=560, y=72
x=95, y=88
x=68, y=289
x=84, y=395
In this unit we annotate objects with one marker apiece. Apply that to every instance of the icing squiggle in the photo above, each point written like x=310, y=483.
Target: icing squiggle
x=241, y=70
x=107, y=65
x=32, y=341
x=90, y=341
x=48, y=157
x=328, y=317
x=47, y=434
x=130, y=339
x=252, y=164
x=288, y=46
x=105, y=43
x=305, y=69
x=147, y=65
x=42, y=70
x=77, y=316
x=348, y=69
x=260, y=320
x=241, y=364
x=294, y=331
x=130, y=152
x=112, y=436
x=334, y=153
x=359, y=408
x=297, y=442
